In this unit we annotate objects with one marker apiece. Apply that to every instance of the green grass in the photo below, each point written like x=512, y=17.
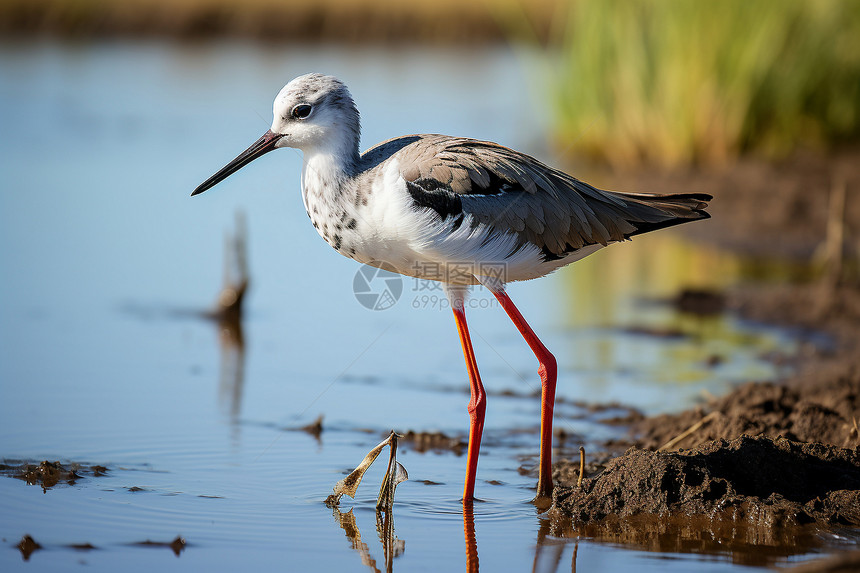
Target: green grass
x=676, y=82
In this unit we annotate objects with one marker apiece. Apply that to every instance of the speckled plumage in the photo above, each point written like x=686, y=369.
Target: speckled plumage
x=467, y=199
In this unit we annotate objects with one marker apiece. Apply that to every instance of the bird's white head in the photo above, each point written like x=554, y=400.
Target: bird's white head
x=314, y=113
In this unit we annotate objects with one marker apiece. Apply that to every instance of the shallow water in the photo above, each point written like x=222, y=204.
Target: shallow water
x=104, y=358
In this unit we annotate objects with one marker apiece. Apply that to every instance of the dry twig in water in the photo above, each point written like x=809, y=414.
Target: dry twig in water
x=395, y=474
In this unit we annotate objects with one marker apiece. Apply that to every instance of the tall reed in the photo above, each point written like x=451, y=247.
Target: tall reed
x=685, y=81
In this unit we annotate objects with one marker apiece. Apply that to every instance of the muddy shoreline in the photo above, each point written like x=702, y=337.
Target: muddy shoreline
x=818, y=404
x=763, y=473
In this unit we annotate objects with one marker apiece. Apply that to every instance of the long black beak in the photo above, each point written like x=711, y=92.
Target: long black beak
x=260, y=147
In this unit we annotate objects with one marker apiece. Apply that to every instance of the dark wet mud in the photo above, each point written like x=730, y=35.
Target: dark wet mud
x=757, y=481
x=177, y=545
x=49, y=474
x=758, y=473
x=756, y=499
x=434, y=442
x=27, y=546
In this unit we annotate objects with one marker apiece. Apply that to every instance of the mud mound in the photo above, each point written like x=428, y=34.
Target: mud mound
x=754, y=480
x=823, y=413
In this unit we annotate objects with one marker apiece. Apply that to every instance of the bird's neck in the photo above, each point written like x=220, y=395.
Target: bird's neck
x=330, y=166
x=324, y=175
x=327, y=174
x=328, y=185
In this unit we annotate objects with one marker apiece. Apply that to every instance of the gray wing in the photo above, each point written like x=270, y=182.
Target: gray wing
x=513, y=192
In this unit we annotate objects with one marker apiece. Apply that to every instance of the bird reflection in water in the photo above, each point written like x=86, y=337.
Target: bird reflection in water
x=549, y=550
x=471, y=538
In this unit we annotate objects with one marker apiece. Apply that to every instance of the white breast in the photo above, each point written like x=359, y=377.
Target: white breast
x=417, y=242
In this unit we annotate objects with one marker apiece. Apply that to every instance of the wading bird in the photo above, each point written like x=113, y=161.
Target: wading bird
x=454, y=210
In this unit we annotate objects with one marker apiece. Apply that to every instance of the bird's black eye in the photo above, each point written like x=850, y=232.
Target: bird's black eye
x=301, y=111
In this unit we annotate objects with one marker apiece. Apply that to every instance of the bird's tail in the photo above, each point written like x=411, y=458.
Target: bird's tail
x=656, y=211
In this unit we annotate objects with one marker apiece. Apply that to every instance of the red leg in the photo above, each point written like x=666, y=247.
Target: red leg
x=547, y=371
x=477, y=406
